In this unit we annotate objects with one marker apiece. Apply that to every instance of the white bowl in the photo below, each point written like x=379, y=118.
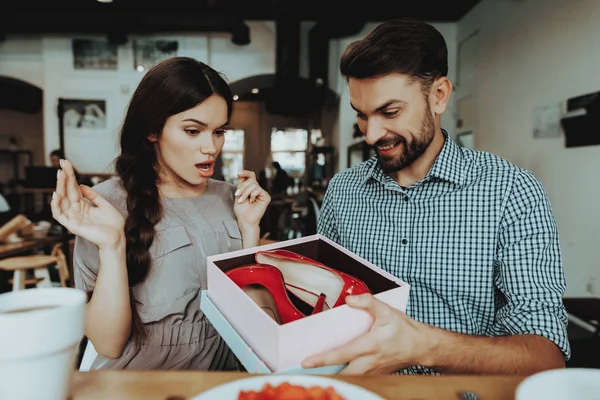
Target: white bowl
x=38, y=349
x=561, y=384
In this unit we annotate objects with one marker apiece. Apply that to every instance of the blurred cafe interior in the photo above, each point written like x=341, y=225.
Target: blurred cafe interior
x=521, y=70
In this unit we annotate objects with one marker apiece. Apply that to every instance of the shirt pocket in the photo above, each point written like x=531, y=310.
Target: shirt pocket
x=169, y=240
x=232, y=238
x=174, y=272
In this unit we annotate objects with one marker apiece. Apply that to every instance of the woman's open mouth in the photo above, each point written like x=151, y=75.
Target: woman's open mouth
x=206, y=169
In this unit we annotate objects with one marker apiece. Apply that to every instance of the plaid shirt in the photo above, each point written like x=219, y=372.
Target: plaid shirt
x=476, y=240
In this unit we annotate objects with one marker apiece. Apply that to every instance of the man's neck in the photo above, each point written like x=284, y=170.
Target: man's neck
x=422, y=165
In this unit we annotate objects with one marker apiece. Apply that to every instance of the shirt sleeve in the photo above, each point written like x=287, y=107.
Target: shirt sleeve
x=86, y=260
x=528, y=270
x=326, y=224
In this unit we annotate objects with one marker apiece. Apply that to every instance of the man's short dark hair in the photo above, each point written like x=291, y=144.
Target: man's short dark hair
x=406, y=46
x=58, y=153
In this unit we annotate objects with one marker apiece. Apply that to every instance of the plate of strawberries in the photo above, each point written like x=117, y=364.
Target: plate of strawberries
x=292, y=387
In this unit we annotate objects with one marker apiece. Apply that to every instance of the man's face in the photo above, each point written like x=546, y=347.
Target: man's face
x=395, y=117
x=55, y=160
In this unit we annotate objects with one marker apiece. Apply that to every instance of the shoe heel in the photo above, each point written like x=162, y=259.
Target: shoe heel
x=320, y=304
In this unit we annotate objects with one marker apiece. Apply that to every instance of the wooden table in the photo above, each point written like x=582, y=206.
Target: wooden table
x=159, y=385
x=20, y=248
x=10, y=249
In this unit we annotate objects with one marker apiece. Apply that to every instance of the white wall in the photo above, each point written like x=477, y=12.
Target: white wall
x=48, y=63
x=532, y=53
x=238, y=62
x=21, y=57
x=348, y=115
x=95, y=153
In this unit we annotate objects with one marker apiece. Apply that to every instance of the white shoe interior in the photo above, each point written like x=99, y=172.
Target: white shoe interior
x=310, y=277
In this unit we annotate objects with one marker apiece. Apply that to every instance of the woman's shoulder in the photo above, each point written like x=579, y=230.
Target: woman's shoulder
x=112, y=190
x=222, y=187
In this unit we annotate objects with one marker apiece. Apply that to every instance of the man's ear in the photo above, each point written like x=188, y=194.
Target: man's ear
x=440, y=95
x=153, y=137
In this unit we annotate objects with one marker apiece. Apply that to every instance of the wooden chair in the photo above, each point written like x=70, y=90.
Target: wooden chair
x=13, y=226
x=20, y=265
x=39, y=264
x=64, y=273
x=263, y=240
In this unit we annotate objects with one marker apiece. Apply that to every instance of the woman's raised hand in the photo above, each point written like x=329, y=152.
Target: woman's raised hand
x=84, y=212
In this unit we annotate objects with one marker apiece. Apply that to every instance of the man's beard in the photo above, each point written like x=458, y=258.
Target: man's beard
x=411, y=152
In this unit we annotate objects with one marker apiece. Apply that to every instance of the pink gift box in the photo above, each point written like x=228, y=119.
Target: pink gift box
x=283, y=347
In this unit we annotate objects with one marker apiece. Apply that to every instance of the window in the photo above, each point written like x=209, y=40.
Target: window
x=316, y=137
x=288, y=148
x=232, y=154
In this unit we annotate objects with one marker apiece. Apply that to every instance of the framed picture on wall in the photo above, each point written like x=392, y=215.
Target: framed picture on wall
x=94, y=54
x=86, y=129
x=83, y=116
x=147, y=52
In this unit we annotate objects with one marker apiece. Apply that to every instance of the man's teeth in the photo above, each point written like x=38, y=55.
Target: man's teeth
x=388, y=147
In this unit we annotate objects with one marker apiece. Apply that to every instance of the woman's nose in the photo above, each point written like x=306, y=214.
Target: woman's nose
x=208, y=147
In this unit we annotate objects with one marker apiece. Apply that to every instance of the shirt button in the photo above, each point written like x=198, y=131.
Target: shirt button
x=404, y=241
x=405, y=198
x=420, y=373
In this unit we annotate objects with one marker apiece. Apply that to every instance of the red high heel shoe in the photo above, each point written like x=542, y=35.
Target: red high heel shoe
x=271, y=278
x=303, y=272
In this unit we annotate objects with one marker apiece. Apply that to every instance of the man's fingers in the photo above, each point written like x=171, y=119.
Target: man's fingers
x=366, y=301
x=361, y=346
x=359, y=366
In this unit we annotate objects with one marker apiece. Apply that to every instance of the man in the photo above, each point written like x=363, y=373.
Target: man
x=55, y=157
x=472, y=234
x=281, y=180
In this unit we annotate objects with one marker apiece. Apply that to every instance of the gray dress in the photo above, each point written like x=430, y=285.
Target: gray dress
x=179, y=336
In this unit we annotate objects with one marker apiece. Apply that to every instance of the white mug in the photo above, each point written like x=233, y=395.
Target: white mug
x=40, y=332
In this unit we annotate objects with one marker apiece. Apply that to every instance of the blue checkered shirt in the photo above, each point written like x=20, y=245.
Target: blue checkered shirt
x=475, y=239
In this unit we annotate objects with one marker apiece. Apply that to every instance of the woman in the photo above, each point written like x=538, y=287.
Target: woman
x=141, y=247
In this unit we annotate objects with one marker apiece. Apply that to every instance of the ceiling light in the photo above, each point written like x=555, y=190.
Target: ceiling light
x=235, y=97
x=105, y=1
x=140, y=68
x=255, y=90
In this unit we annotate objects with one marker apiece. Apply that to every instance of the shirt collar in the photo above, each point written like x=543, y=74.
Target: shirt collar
x=448, y=166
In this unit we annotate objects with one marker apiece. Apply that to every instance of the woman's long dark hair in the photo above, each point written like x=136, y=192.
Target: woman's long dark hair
x=170, y=87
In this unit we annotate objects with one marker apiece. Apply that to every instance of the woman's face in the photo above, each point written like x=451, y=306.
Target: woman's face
x=189, y=145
